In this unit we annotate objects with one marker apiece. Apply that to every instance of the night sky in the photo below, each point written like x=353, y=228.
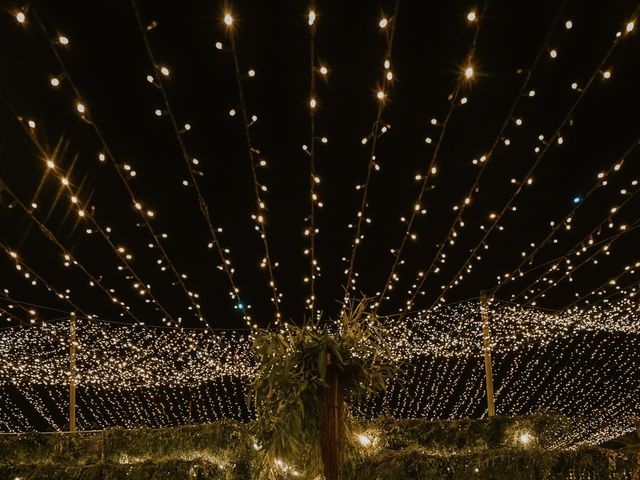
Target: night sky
x=107, y=61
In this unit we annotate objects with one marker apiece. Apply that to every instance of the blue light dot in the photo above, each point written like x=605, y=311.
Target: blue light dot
x=576, y=199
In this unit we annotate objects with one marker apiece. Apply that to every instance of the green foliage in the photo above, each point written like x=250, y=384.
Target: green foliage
x=293, y=365
x=401, y=450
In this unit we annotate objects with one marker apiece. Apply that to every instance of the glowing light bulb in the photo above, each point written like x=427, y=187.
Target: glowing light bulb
x=228, y=19
x=313, y=103
x=574, y=86
x=389, y=76
x=219, y=45
x=54, y=81
x=312, y=17
x=525, y=438
x=468, y=72
x=532, y=93
x=65, y=181
x=383, y=23
x=568, y=24
x=576, y=199
x=630, y=26
x=80, y=107
x=232, y=113
x=81, y=213
x=50, y=164
x=251, y=73
x=380, y=95
x=606, y=74
x=21, y=17
x=471, y=16
x=164, y=71
x=518, y=121
x=102, y=157
x=63, y=40
x=364, y=440
x=323, y=70
x=31, y=124
x=553, y=53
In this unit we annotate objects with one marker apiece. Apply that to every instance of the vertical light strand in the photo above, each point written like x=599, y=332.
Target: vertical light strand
x=376, y=130
x=417, y=207
x=225, y=263
x=260, y=216
x=310, y=228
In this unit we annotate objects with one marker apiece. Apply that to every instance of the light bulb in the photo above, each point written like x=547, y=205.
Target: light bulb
x=54, y=82
x=383, y=23
x=63, y=40
x=80, y=107
x=568, y=24
x=380, y=95
x=164, y=71
x=228, y=19
x=468, y=72
x=312, y=17
x=471, y=16
x=323, y=70
x=312, y=103
x=630, y=26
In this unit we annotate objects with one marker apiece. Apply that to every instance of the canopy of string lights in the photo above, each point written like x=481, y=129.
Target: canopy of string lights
x=172, y=180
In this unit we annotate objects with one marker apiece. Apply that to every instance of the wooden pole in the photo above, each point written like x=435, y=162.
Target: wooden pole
x=72, y=372
x=484, y=313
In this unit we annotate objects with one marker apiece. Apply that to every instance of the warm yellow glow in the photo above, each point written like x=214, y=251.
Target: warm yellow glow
x=251, y=73
x=568, y=24
x=313, y=103
x=50, y=164
x=312, y=17
x=64, y=181
x=525, y=438
x=380, y=95
x=80, y=107
x=383, y=23
x=553, y=53
x=164, y=71
x=468, y=72
x=606, y=74
x=364, y=440
x=323, y=70
x=54, y=82
x=228, y=19
x=20, y=17
x=630, y=26
x=63, y=40
x=471, y=16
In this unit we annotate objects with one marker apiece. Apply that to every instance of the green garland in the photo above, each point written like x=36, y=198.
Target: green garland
x=400, y=450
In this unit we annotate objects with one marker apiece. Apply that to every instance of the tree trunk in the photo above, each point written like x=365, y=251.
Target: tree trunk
x=331, y=418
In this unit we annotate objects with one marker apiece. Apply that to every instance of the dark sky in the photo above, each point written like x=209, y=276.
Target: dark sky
x=106, y=60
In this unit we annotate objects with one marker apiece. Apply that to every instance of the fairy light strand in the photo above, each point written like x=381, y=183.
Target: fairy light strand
x=431, y=169
x=376, y=129
x=225, y=263
x=449, y=238
x=260, y=216
x=538, y=158
x=106, y=151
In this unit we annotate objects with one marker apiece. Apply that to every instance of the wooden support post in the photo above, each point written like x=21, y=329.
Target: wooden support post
x=484, y=313
x=72, y=372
